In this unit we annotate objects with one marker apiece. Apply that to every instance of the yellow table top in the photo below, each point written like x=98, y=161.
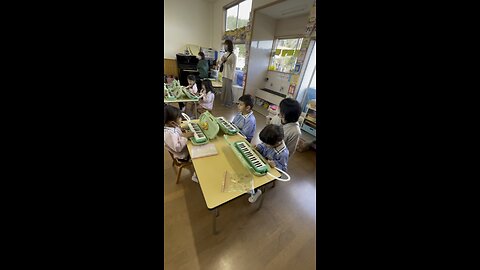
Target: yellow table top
x=216, y=84
x=211, y=171
x=179, y=100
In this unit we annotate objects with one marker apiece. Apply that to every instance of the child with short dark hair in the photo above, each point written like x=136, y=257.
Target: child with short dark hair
x=245, y=120
x=173, y=138
x=290, y=111
x=273, y=149
x=192, y=85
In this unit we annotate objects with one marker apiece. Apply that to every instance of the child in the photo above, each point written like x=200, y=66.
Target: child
x=274, y=150
x=174, y=140
x=193, y=88
x=245, y=120
x=206, y=97
x=290, y=111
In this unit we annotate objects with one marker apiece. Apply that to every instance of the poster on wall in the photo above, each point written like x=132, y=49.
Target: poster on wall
x=291, y=89
x=297, y=68
x=294, y=79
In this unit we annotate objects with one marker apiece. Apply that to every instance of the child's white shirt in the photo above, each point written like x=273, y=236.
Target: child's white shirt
x=207, y=101
x=193, y=89
x=175, y=142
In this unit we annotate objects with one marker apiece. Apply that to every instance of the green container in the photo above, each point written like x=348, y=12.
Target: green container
x=209, y=127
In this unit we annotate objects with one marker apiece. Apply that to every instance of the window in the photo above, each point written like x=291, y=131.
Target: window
x=285, y=54
x=237, y=16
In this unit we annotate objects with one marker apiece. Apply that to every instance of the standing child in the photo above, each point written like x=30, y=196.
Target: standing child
x=206, y=97
x=245, y=120
x=174, y=139
x=274, y=150
x=290, y=111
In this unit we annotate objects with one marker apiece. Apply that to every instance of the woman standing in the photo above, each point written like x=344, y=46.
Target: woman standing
x=229, y=61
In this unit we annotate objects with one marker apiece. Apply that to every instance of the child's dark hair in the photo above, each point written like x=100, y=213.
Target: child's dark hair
x=271, y=134
x=171, y=114
x=191, y=77
x=290, y=109
x=208, y=85
x=202, y=55
x=248, y=100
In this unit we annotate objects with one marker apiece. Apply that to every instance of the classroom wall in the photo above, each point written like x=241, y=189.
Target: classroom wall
x=186, y=22
x=291, y=26
x=261, y=46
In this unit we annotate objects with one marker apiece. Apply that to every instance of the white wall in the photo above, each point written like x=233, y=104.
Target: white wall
x=291, y=26
x=186, y=22
x=261, y=47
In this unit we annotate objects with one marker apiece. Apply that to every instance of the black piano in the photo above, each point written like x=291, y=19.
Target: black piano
x=187, y=64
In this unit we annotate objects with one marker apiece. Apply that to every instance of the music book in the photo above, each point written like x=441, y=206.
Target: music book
x=205, y=150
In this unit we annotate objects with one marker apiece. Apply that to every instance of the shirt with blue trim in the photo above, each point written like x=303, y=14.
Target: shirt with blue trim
x=246, y=123
x=278, y=154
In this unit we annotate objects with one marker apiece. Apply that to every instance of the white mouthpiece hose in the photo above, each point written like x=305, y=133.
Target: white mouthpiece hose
x=280, y=179
x=186, y=116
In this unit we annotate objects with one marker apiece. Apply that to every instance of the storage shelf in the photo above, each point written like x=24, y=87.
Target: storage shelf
x=260, y=109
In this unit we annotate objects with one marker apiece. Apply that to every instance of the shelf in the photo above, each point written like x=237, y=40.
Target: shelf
x=311, y=122
x=260, y=109
x=311, y=119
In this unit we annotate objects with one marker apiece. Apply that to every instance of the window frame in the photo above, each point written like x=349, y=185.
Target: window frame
x=227, y=7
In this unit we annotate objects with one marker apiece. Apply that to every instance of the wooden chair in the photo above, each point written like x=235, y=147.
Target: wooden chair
x=180, y=166
x=202, y=110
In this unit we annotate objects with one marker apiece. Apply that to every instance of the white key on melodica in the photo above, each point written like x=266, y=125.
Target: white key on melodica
x=196, y=134
x=251, y=156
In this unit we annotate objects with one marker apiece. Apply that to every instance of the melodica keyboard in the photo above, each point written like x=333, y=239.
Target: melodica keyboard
x=257, y=163
x=226, y=127
x=198, y=136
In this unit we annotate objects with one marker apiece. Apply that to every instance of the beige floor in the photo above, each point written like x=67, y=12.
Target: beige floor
x=281, y=235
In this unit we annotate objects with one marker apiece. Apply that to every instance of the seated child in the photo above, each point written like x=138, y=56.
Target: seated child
x=273, y=149
x=290, y=111
x=206, y=97
x=193, y=88
x=192, y=85
x=245, y=120
x=174, y=139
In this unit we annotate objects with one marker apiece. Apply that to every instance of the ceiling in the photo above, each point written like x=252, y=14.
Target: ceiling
x=287, y=9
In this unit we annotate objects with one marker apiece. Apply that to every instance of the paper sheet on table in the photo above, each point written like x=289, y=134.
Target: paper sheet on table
x=205, y=150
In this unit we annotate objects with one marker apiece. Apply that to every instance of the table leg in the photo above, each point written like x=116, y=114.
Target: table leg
x=261, y=200
x=196, y=113
x=215, y=215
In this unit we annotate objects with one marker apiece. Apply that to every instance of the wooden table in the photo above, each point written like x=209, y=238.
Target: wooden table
x=211, y=172
x=184, y=100
x=217, y=84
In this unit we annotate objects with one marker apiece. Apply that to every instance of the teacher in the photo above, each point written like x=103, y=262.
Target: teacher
x=229, y=61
